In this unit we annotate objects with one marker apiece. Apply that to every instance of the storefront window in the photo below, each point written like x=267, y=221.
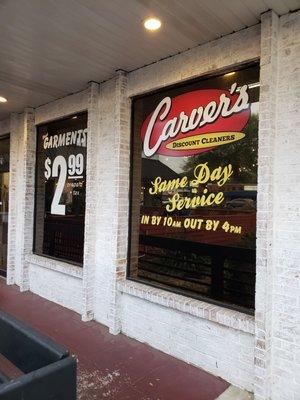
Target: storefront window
x=60, y=188
x=194, y=187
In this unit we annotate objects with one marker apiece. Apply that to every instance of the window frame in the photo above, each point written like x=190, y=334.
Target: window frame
x=157, y=285
x=34, y=252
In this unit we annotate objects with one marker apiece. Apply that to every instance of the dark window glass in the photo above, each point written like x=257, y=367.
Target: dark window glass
x=194, y=186
x=4, y=154
x=60, y=188
x=4, y=192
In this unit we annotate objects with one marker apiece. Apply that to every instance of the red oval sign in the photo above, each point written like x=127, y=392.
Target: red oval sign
x=196, y=122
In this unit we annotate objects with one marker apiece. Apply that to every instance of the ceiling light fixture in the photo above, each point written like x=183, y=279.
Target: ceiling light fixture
x=3, y=99
x=152, y=24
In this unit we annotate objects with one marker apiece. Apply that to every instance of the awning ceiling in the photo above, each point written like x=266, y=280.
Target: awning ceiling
x=51, y=48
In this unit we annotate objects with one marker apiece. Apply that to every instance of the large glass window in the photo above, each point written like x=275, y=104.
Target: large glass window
x=194, y=186
x=60, y=188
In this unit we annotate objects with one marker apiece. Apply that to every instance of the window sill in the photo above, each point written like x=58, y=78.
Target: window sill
x=55, y=265
x=220, y=315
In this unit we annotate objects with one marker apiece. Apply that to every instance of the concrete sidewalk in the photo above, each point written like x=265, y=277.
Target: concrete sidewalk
x=111, y=367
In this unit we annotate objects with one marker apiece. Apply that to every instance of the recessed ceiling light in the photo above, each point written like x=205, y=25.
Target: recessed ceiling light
x=152, y=24
x=3, y=99
x=75, y=117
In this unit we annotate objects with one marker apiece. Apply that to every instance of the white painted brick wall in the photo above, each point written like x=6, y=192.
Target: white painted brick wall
x=58, y=287
x=224, y=351
x=213, y=56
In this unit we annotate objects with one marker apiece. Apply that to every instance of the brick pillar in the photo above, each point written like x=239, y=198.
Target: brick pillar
x=28, y=145
x=120, y=216
x=21, y=197
x=12, y=210
x=265, y=213
x=92, y=193
x=285, y=340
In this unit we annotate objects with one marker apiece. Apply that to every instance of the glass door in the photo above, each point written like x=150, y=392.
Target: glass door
x=4, y=191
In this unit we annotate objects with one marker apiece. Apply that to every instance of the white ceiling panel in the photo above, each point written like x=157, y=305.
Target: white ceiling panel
x=51, y=48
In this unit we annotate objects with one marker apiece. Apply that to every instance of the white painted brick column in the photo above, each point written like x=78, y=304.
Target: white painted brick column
x=92, y=193
x=277, y=339
x=120, y=221
x=112, y=183
x=265, y=213
x=285, y=344
x=27, y=195
x=21, y=197
x=13, y=200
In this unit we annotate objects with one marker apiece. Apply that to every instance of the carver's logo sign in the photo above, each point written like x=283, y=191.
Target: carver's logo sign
x=195, y=122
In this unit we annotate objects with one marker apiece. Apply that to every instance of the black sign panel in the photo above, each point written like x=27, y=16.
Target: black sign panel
x=60, y=188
